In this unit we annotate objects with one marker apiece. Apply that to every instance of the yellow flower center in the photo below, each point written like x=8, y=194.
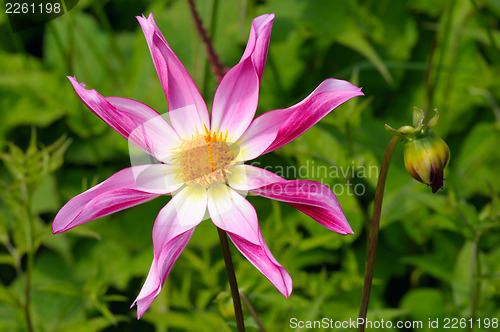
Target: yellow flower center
x=205, y=158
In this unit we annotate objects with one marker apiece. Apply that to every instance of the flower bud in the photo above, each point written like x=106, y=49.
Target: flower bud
x=425, y=158
x=425, y=153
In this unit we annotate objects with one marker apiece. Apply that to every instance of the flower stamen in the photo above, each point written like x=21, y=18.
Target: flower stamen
x=205, y=158
x=208, y=138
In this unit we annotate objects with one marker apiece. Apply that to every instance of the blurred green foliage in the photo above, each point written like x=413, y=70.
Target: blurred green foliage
x=438, y=254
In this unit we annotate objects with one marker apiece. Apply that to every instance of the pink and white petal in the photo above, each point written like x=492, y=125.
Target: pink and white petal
x=159, y=271
x=184, y=211
x=327, y=96
x=246, y=177
x=260, y=134
x=154, y=129
x=311, y=197
x=120, y=191
x=157, y=178
x=135, y=121
x=187, y=109
x=231, y=212
x=235, y=215
x=236, y=98
x=258, y=42
x=262, y=258
x=276, y=128
x=172, y=230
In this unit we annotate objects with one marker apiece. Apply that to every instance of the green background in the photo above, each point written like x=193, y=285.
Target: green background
x=438, y=254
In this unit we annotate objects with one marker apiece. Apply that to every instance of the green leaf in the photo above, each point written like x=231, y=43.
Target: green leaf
x=45, y=197
x=31, y=95
x=7, y=259
x=336, y=21
x=424, y=303
x=56, y=152
x=476, y=164
x=94, y=324
x=9, y=297
x=462, y=275
x=435, y=265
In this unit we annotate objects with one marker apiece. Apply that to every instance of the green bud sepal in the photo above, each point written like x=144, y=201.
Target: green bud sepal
x=425, y=153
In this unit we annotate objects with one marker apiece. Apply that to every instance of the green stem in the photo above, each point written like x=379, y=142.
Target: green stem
x=29, y=228
x=372, y=245
x=253, y=312
x=238, y=312
x=475, y=280
x=441, y=44
x=472, y=284
x=27, y=293
x=486, y=26
x=429, y=88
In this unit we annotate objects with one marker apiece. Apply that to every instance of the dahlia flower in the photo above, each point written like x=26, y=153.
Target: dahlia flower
x=200, y=159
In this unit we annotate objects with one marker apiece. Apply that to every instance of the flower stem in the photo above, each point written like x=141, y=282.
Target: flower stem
x=372, y=244
x=238, y=312
x=213, y=57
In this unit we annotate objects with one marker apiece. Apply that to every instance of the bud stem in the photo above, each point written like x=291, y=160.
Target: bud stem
x=372, y=244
